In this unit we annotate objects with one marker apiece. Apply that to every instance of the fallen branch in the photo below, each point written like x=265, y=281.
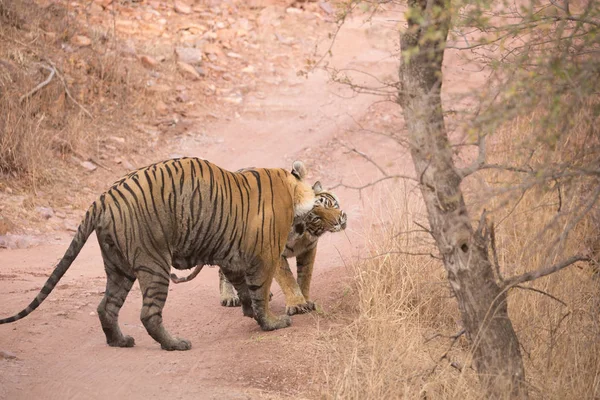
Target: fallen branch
x=64, y=82
x=41, y=85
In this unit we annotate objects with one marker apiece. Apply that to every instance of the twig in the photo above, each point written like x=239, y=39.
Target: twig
x=533, y=275
x=495, y=252
x=360, y=188
x=41, y=85
x=478, y=163
x=366, y=157
x=406, y=253
x=541, y=292
x=437, y=335
x=422, y=227
x=64, y=82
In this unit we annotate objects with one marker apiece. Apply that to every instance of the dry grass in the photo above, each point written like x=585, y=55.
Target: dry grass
x=401, y=301
x=90, y=96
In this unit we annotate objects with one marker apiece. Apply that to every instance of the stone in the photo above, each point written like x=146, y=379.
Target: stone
x=116, y=139
x=182, y=8
x=231, y=54
x=325, y=6
x=70, y=225
x=225, y=34
x=212, y=48
x=81, y=41
x=45, y=212
x=7, y=355
x=188, y=55
x=6, y=225
x=249, y=69
x=89, y=165
x=188, y=70
x=148, y=62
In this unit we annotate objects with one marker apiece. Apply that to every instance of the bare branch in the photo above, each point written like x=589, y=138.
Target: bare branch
x=41, y=85
x=478, y=163
x=397, y=252
x=360, y=188
x=64, y=82
x=366, y=157
x=539, y=273
x=541, y=292
x=437, y=335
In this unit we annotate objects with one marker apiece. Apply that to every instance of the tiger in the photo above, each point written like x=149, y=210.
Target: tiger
x=301, y=243
x=185, y=212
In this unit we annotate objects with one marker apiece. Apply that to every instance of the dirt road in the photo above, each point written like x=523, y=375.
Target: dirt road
x=60, y=349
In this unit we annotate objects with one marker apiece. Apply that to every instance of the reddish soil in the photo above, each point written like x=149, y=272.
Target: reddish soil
x=60, y=349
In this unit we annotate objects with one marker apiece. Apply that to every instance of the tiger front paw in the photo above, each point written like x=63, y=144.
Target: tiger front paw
x=300, y=308
x=273, y=323
x=230, y=301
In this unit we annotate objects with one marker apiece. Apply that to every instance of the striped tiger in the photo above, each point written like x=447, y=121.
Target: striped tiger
x=181, y=213
x=302, y=244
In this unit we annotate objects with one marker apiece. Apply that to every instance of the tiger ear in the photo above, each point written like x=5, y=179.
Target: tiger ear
x=317, y=188
x=299, y=170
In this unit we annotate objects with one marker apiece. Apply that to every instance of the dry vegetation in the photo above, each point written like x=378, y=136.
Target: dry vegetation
x=399, y=339
x=60, y=103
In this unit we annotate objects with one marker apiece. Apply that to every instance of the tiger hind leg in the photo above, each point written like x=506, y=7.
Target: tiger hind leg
x=118, y=286
x=154, y=284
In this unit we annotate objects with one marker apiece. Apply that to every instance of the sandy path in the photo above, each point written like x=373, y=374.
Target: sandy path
x=60, y=349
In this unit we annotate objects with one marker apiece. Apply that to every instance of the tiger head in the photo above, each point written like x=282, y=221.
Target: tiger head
x=326, y=216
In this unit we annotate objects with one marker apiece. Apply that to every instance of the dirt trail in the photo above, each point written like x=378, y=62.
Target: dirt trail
x=60, y=349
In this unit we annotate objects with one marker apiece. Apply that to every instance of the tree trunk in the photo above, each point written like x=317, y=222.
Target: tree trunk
x=495, y=347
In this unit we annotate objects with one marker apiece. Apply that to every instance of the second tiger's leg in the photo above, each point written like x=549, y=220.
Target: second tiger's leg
x=295, y=303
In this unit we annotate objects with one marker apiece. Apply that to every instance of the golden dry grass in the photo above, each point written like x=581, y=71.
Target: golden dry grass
x=92, y=94
x=401, y=301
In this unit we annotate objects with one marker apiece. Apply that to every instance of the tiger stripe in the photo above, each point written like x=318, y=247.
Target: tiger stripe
x=181, y=213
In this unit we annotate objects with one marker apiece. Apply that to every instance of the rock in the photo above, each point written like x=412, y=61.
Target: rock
x=188, y=70
x=45, y=212
x=116, y=139
x=293, y=10
x=200, y=71
x=89, y=166
x=182, y=8
x=188, y=55
x=104, y=3
x=5, y=225
x=325, y=6
x=70, y=225
x=92, y=313
x=161, y=108
x=231, y=54
x=81, y=41
x=148, y=62
x=212, y=48
x=249, y=69
x=7, y=355
x=225, y=35
x=129, y=166
x=18, y=241
x=60, y=214
x=25, y=242
x=235, y=98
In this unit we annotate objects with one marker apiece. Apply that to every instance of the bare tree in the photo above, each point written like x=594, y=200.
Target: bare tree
x=481, y=300
x=543, y=59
